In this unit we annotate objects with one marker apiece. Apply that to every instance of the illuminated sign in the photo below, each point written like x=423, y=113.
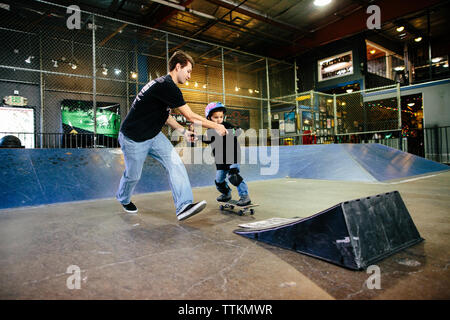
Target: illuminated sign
x=337, y=66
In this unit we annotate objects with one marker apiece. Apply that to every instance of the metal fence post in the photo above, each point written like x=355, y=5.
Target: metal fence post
x=335, y=115
x=94, y=82
x=269, y=113
x=399, y=106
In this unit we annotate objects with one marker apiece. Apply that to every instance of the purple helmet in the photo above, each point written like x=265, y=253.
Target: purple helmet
x=214, y=106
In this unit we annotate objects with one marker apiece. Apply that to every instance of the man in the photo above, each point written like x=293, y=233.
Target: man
x=140, y=134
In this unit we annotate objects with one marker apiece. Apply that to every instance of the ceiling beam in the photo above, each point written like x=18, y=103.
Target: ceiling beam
x=250, y=12
x=352, y=24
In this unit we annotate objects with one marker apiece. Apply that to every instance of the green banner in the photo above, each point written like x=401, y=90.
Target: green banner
x=78, y=117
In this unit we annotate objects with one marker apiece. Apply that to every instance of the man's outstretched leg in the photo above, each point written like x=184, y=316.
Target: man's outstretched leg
x=163, y=151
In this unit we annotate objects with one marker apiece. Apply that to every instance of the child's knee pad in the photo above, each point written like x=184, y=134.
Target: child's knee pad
x=234, y=177
x=222, y=187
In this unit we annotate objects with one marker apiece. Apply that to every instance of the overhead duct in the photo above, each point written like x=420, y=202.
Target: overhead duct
x=183, y=8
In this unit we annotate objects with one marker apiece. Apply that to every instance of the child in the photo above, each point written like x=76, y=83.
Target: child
x=226, y=167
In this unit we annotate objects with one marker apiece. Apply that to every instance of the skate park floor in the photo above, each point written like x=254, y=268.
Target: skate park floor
x=153, y=256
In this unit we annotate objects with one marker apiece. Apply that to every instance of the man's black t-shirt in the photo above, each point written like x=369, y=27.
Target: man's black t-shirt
x=151, y=108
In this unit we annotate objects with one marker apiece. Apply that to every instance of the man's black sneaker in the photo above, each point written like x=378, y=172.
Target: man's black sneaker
x=130, y=208
x=191, y=209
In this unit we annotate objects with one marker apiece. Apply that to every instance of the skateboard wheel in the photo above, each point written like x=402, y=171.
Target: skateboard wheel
x=252, y=211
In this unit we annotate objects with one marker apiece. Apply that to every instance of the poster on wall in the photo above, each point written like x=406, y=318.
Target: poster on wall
x=289, y=122
x=337, y=66
x=18, y=122
x=238, y=117
x=77, y=117
x=282, y=131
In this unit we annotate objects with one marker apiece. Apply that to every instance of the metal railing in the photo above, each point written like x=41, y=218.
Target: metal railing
x=436, y=141
x=62, y=140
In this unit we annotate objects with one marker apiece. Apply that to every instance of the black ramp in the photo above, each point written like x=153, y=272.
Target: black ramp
x=379, y=226
x=353, y=234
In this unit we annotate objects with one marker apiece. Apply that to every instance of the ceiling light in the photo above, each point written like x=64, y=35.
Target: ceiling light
x=133, y=75
x=55, y=63
x=434, y=60
x=348, y=91
x=446, y=65
x=256, y=91
x=28, y=60
x=372, y=51
x=400, y=68
x=187, y=83
x=117, y=71
x=250, y=90
x=321, y=3
x=196, y=84
x=400, y=29
x=411, y=104
x=236, y=89
x=105, y=71
x=418, y=39
x=73, y=65
x=204, y=86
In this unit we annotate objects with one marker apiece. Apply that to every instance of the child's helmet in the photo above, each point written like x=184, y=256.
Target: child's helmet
x=214, y=106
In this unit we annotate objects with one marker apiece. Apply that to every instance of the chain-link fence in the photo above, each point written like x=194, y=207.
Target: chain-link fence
x=80, y=82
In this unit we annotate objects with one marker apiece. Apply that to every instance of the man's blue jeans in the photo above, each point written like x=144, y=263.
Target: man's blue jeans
x=161, y=149
x=222, y=174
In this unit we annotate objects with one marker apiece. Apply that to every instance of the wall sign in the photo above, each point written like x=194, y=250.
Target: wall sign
x=337, y=66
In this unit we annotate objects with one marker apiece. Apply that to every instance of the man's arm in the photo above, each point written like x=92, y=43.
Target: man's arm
x=189, y=135
x=191, y=116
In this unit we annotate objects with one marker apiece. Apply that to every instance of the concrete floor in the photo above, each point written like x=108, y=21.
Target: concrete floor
x=153, y=256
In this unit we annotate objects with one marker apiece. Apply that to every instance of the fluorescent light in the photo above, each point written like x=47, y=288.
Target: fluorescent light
x=321, y=3
x=434, y=60
x=400, y=68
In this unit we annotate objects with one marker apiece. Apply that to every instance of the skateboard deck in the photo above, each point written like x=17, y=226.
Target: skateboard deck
x=233, y=207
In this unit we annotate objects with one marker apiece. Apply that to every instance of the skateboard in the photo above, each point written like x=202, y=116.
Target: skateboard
x=241, y=210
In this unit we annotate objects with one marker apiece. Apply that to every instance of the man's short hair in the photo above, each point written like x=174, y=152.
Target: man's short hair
x=180, y=57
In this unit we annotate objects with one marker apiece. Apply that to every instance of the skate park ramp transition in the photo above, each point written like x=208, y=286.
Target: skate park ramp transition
x=30, y=177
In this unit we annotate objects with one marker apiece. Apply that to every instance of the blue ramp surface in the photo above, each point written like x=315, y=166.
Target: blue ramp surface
x=385, y=163
x=31, y=177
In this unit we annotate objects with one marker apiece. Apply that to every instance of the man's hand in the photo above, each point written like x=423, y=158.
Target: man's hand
x=220, y=129
x=190, y=136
